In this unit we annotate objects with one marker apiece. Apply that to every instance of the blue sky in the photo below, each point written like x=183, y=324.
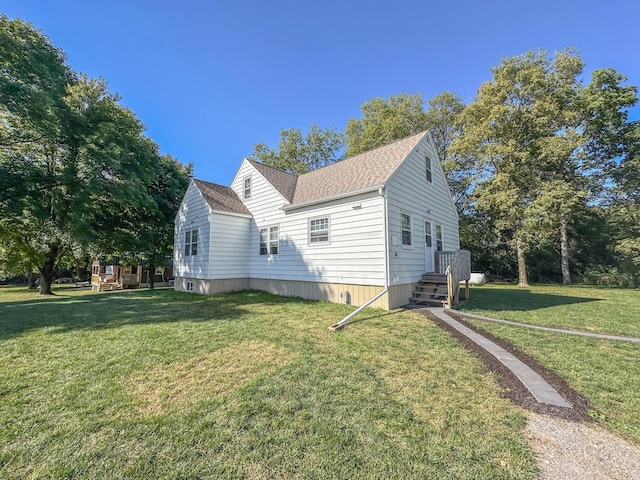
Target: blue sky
x=209, y=79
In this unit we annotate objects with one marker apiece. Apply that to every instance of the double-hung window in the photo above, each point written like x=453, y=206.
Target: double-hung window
x=270, y=240
x=274, y=240
x=191, y=242
x=319, y=230
x=439, y=238
x=247, y=188
x=264, y=249
x=406, y=229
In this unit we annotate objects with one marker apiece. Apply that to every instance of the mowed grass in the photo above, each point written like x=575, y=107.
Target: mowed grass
x=160, y=384
x=600, y=310
x=606, y=372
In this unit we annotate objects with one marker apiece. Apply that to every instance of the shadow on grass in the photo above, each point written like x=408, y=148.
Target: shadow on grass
x=499, y=299
x=90, y=310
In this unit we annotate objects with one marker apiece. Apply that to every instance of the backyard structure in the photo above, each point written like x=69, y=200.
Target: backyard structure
x=110, y=275
x=373, y=223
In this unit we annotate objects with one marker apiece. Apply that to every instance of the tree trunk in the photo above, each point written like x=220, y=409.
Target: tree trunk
x=150, y=276
x=564, y=252
x=522, y=264
x=47, y=270
x=31, y=279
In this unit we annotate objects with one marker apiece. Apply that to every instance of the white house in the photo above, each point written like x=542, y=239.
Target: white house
x=344, y=232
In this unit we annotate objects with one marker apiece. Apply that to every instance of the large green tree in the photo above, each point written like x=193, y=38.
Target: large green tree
x=624, y=213
x=385, y=121
x=152, y=240
x=442, y=120
x=75, y=167
x=298, y=153
x=543, y=141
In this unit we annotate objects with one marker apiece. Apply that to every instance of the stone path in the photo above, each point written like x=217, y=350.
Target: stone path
x=602, y=336
x=538, y=386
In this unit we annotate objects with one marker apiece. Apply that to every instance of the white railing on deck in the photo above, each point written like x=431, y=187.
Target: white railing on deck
x=457, y=267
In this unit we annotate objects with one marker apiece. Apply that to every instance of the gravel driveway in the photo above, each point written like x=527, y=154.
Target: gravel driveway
x=580, y=451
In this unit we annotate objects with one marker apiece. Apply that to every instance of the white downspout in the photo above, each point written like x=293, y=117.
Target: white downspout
x=387, y=272
x=343, y=323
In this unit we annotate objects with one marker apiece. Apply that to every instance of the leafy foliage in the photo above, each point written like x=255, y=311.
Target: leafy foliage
x=543, y=143
x=77, y=173
x=299, y=154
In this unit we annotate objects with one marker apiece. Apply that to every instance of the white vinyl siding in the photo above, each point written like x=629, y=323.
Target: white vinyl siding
x=354, y=255
x=319, y=230
x=409, y=191
x=230, y=242
x=193, y=214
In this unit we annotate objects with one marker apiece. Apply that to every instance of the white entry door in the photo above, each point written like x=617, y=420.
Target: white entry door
x=429, y=263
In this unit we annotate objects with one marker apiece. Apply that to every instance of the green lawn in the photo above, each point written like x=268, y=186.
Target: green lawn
x=602, y=310
x=159, y=384
x=607, y=373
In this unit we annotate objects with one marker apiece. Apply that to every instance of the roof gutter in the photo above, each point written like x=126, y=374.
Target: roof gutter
x=352, y=193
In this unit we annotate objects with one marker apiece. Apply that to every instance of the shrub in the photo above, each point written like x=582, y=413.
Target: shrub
x=609, y=277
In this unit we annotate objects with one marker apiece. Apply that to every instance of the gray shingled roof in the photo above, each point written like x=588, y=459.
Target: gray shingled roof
x=284, y=182
x=221, y=198
x=368, y=169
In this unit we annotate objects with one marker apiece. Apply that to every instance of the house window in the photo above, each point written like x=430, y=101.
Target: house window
x=247, y=188
x=263, y=241
x=406, y=229
x=439, y=238
x=189, y=287
x=270, y=240
x=319, y=230
x=427, y=234
x=274, y=240
x=428, y=168
x=191, y=242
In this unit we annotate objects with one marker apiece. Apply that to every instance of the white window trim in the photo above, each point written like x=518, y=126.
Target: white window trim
x=429, y=233
x=410, y=246
x=441, y=239
x=244, y=188
x=428, y=169
x=189, y=244
x=268, y=240
x=324, y=242
x=271, y=227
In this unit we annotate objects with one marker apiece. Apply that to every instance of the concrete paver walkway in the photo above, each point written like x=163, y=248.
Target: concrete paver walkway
x=602, y=336
x=538, y=386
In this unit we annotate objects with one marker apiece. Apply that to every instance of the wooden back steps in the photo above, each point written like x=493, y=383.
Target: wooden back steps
x=431, y=290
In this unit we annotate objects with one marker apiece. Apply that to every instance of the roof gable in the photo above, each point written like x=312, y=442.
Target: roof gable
x=283, y=182
x=221, y=198
x=369, y=169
